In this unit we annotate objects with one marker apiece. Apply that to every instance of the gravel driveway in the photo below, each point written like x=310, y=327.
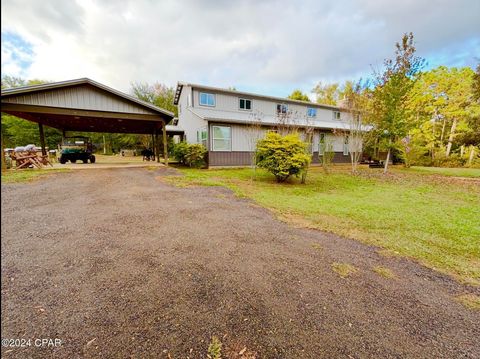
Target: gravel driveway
x=115, y=263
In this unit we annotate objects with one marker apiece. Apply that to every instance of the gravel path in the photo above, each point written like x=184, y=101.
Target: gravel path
x=118, y=264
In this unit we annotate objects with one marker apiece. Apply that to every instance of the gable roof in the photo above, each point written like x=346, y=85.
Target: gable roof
x=180, y=86
x=69, y=83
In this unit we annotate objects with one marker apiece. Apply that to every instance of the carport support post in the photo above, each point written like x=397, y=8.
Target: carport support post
x=154, y=148
x=42, y=139
x=157, y=146
x=165, y=149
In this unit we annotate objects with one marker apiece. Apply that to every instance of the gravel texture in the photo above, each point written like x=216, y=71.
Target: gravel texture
x=118, y=264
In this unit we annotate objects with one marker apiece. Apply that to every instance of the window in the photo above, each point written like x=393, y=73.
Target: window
x=245, y=104
x=222, y=138
x=311, y=112
x=336, y=115
x=202, y=136
x=282, y=108
x=321, y=144
x=207, y=99
x=345, y=146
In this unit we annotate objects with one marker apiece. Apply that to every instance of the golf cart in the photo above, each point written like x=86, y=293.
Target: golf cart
x=76, y=148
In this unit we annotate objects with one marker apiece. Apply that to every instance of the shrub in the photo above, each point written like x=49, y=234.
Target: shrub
x=195, y=156
x=283, y=156
x=180, y=151
x=192, y=155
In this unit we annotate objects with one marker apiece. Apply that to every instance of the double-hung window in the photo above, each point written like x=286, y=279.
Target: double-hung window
x=202, y=136
x=221, y=138
x=282, y=108
x=336, y=115
x=311, y=112
x=207, y=99
x=245, y=104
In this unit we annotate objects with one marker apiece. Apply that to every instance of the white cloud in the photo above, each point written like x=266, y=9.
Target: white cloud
x=272, y=46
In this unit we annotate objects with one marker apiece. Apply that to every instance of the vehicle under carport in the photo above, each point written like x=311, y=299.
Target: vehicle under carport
x=84, y=105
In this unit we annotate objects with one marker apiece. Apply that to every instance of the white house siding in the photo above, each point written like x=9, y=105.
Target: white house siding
x=187, y=119
x=227, y=102
x=192, y=114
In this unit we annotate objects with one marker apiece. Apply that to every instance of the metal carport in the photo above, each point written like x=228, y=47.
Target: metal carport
x=86, y=106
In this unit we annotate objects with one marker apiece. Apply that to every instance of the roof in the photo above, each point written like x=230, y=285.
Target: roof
x=75, y=82
x=180, y=86
x=249, y=118
x=84, y=105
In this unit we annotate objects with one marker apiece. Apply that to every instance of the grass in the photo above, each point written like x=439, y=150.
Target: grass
x=471, y=301
x=434, y=221
x=214, y=349
x=27, y=175
x=444, y=171
x=384, y=272
x=343, y=269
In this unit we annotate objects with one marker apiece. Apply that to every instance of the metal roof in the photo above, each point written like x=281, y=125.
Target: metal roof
x=180, y=86
x=84, y=105
x=84, y=80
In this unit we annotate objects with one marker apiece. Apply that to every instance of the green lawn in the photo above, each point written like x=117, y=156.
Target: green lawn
x=455, y=172
x=26, y=175
x=407, y=213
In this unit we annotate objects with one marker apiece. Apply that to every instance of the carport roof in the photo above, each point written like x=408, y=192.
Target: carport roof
x=84, y=105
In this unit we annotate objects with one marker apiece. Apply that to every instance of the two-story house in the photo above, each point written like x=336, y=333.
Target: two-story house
x=230, y=122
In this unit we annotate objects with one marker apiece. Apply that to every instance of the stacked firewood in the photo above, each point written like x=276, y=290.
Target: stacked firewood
x=29, y=157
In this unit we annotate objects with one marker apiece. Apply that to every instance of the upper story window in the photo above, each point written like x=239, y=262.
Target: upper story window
x=282, y=108
x=207, y=99
x=336, y=115
x=311, y=112
x=245, y=104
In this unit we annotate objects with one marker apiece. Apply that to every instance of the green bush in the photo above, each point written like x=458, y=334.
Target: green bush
x=192, y=155
x=180, y=151
x=283, y=156
x=195, y=156
x=454, y=160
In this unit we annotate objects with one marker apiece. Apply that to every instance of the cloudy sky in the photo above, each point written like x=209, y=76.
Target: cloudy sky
x=265, y=46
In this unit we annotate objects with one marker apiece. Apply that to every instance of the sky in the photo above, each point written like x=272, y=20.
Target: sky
x=269, y=47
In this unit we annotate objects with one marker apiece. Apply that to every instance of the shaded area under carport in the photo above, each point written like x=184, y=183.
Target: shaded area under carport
x=87, y=106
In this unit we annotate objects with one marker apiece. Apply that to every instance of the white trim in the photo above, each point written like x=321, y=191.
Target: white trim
x=213, y=139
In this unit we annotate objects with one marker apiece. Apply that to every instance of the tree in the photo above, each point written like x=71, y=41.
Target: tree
x=445, y=98
x=157, y=94
x=356, y=105
x=299, y=96
x=327, y=94
x=389, y=98
x=476, y=84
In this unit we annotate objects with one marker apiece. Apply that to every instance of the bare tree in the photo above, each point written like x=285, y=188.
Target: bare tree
x=255, y=133
x=355, y=104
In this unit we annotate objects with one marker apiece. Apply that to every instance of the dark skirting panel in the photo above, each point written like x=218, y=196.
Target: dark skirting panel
x=244, y=158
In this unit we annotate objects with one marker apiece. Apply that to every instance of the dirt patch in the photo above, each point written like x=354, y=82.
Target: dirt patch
x=118, y=264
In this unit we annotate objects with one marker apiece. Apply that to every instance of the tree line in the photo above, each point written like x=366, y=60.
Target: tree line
x=418, y=116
